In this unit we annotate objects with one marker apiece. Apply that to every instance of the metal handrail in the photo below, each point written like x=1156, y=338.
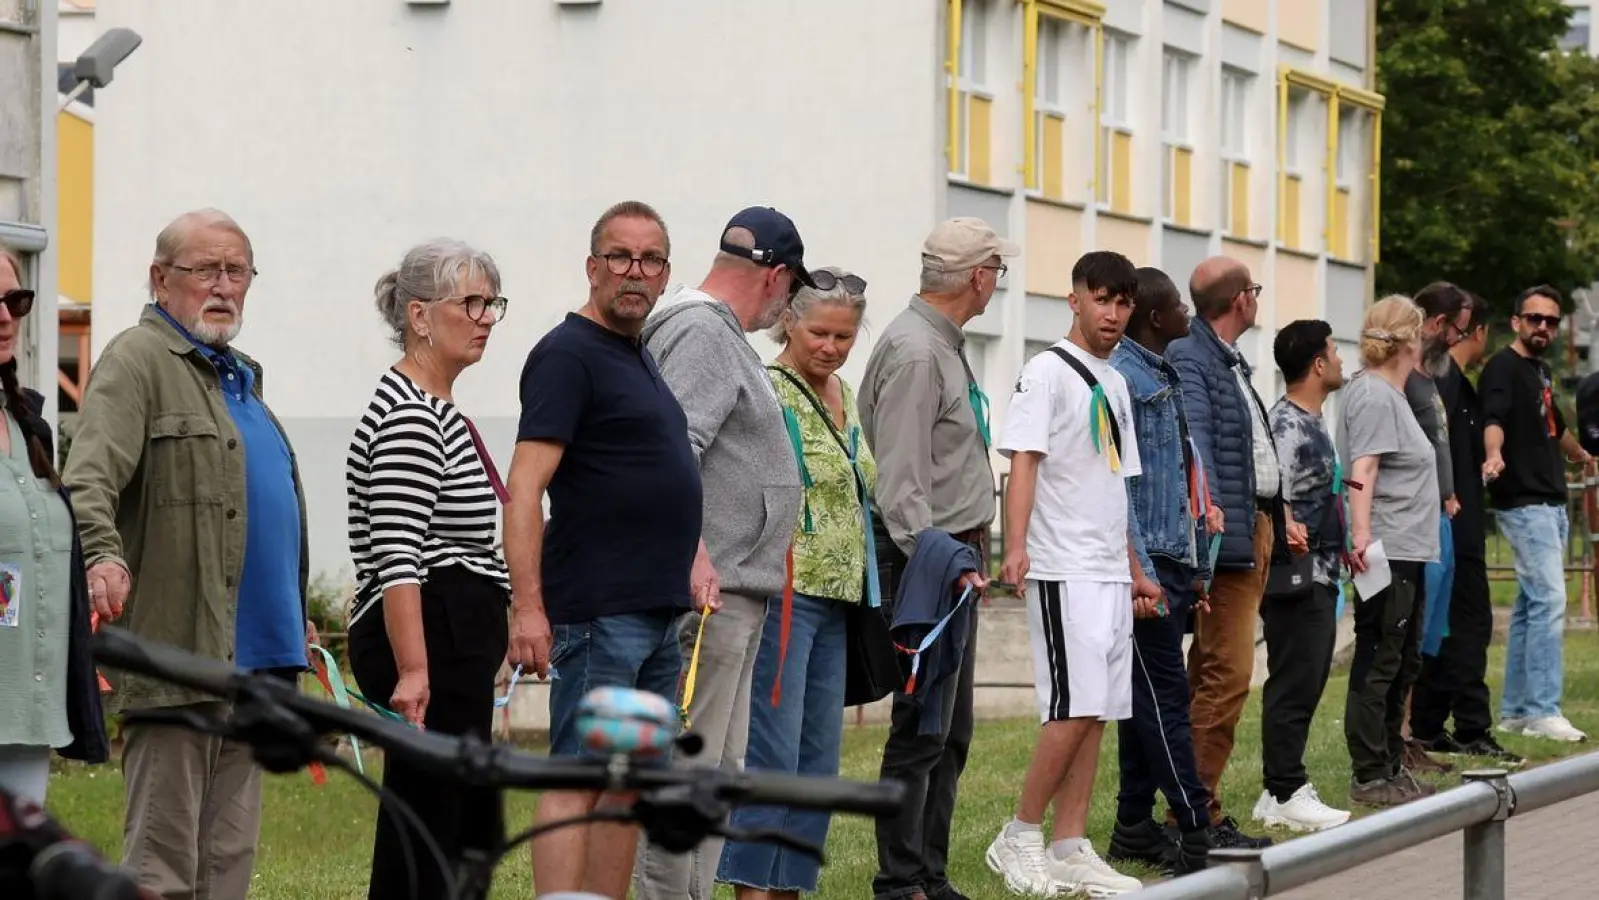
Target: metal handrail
x=1478, y=808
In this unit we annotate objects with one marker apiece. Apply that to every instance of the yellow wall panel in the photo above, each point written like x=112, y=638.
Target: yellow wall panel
x=1299, y=22
x=1054, y=242
x=980, y=132
x=1182, y=179
x=1251, y=14
x=1130, y=239
x=1338, y=225
x=1054, y=183
x=1121, y=172
x=75, y=212
x=1292, y=289
x=1240, y=199
x=1289, y=215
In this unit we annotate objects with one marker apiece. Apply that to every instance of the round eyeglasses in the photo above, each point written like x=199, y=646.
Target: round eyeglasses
x=478, y=306
x=622, y=263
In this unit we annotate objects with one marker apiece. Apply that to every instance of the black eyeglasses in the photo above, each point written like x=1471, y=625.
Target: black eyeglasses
x=1537, y=319
x=19, y=301
x=1254, y=290
x=477, y=305
x=622, y=263
x=826, y=281
x=999, y=270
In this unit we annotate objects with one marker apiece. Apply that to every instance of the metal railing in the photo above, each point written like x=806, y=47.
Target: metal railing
x=1479, y=808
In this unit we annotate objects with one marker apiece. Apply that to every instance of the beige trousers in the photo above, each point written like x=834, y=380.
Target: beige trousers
x=193, y=811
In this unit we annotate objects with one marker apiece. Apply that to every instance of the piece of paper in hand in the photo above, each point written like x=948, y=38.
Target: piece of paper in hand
x=1377, y=575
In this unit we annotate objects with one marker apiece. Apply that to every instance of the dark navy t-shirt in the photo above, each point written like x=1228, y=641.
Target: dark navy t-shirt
x=625, y=501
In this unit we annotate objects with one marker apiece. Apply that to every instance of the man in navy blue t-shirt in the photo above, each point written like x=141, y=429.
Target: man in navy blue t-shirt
x=597, y=590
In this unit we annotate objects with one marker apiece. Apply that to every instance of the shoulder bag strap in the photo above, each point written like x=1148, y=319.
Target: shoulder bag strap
x=1099, y=407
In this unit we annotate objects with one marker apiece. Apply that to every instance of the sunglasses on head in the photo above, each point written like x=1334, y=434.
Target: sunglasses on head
x=826, y=281
x=18, y=301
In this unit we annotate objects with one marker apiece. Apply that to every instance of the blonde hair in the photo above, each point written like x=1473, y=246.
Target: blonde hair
x=1391, y=324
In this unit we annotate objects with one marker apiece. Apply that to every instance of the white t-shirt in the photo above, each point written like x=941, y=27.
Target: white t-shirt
x=1078, y=530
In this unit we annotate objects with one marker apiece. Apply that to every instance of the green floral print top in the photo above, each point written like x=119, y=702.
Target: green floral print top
x=830, y=542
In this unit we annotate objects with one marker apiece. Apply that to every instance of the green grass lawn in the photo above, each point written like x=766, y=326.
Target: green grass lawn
x=316, y=841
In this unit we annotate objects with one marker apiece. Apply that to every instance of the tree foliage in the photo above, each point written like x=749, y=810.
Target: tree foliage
x=1490, y=147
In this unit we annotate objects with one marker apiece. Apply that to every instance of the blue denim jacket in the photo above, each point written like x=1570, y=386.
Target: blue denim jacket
x=1158, y=498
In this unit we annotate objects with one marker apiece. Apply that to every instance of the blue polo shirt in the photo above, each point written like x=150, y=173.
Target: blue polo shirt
x=270, y=621
x=625, y=501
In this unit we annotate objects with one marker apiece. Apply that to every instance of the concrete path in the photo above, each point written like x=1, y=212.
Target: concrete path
x=1548, y=854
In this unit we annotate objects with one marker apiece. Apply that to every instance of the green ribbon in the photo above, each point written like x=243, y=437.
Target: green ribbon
x=791, y=422
x=1097, y=402
x=979, y=402
x=341, y=697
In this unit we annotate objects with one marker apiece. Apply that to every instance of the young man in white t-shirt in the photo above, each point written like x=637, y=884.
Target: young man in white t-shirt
x=1070, y=448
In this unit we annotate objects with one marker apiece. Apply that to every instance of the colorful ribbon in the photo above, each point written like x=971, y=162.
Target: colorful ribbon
x=929, y=638
x=979, y=402
x=1099, y=427
x=791, y=422
x=693, y=670
x=332, y=680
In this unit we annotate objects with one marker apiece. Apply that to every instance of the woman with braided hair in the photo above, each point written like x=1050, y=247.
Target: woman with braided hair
x=49, y=697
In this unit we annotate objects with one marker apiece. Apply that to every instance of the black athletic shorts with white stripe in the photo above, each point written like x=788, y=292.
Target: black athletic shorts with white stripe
x=1082, y=634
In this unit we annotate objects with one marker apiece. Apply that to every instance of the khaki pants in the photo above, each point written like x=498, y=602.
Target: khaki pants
x=1221, y=662
x=720, y=713
x=193, y=811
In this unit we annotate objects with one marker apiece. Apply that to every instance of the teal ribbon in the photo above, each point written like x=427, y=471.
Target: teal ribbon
x=341, y=697
x=874, y=590
x=979, y=402
x=791, y=422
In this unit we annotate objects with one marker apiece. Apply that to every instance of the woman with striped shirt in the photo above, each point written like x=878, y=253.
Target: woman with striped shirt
x=428, y=629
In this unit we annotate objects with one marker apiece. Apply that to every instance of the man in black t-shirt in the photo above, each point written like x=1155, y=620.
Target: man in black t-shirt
x=1524, y=434
x=598, y=589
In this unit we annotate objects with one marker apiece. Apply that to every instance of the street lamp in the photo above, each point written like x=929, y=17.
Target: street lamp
x=94, y=66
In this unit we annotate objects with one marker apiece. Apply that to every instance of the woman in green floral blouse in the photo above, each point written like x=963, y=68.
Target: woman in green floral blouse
x=796, y=719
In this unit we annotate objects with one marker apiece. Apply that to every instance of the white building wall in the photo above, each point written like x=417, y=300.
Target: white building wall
x=76, y=30
x=339, y=134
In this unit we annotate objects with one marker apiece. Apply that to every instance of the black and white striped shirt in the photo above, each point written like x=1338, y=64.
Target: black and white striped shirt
x=419, y=496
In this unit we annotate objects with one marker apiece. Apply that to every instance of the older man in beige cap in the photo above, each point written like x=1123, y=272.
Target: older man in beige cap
x=926, y=420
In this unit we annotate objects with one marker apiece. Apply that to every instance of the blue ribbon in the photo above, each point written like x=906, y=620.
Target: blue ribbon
x=927, y=641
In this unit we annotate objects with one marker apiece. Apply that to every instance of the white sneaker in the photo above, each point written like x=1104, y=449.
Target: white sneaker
x=1304, y=811
x=1555, y=728
x=1023, y=861
x=1513, y=725
x=1085, y=873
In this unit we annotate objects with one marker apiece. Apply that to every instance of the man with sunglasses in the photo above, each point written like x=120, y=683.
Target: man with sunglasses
x=752, y=495
x=1524, y=436
x=192, y=519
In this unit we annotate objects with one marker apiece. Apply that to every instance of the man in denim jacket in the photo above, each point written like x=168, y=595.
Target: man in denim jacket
x=1168, y=502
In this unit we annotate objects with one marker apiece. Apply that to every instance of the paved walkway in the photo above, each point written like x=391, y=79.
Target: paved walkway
x=1548, y=854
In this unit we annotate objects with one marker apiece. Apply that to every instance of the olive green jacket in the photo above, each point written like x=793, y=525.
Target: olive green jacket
x=156, y=471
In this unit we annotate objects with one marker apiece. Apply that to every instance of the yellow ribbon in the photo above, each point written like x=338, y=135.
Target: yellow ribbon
x=693, y=668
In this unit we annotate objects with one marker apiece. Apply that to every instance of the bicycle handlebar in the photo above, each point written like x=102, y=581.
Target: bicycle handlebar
x=478, y=764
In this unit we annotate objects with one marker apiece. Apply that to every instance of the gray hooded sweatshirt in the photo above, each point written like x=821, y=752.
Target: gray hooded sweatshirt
x=735, y=425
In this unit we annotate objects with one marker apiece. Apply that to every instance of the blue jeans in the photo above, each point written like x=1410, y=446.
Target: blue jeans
x=1440, y=578
x=633, y=650
x=1534, y=668
x=799, y=736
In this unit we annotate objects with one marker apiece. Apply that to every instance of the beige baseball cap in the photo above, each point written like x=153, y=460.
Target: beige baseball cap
x=963, y=243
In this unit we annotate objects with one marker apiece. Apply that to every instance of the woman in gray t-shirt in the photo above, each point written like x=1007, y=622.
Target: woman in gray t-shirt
x=1392, y=461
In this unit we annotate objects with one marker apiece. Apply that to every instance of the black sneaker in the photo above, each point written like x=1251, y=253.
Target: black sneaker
x=1193, y=852
x=1444, y=743
x=1487, y=746
x=1226, y=834
x=1146, y=842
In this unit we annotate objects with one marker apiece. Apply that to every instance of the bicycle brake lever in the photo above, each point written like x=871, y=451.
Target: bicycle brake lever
x=773, y=836
x=679, y=817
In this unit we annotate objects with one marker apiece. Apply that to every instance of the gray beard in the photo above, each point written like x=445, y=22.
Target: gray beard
x=1436, y=362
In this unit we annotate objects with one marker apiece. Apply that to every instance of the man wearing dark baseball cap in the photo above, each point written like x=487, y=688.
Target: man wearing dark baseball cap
x=752, y=494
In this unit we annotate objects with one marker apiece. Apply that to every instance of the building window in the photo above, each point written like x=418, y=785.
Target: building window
x=1235, y=158
x=972, y=102
x=1116, y=129
x=1577, y=27
x=1177, y=148
x=1296, y=151
x=1059, y=106
x=1349, y=167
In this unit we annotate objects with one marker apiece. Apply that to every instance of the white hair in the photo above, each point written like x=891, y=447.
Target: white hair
x=431, y=270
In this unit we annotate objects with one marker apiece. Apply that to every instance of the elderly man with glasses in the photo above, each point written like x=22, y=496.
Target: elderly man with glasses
x=192, y=518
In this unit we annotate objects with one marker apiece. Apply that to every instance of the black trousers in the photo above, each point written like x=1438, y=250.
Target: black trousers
x=1300, y=634
x=1387, y=660
x=1155, y=748
x=1455, y=682
x=913, y=847
x=466, y=630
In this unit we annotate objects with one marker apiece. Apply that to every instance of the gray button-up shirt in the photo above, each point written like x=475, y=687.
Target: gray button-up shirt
x=933, y=468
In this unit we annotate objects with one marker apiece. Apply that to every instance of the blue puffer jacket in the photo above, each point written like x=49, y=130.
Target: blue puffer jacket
x=1218, y=419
